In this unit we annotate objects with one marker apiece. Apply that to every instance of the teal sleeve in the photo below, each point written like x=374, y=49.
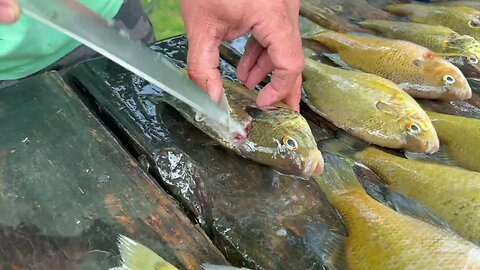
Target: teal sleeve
x=29, y=46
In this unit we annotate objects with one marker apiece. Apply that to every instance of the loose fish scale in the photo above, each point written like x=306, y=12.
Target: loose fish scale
x=380, y=238
x=451, y=193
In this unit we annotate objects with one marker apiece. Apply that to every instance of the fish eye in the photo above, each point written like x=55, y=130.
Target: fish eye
x=448, y=79
x=474, y=24
x=473, y=60
x=413, y=128
x=290, y=143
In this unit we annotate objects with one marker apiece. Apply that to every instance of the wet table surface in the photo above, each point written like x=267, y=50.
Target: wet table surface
x=68, y=189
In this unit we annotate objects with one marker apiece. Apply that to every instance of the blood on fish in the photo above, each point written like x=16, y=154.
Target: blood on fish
x=239, y=137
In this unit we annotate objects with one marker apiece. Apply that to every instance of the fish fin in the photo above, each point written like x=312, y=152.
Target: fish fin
x=338, y=176
x=409, y=207
x=136, y=256
x=207, y=266
x=308, y=53
x=441, y=157
x=337, y=60
x=326, y=245
x=309, y=29
x=372, y=184
x=344, y=145
x=253, y=111
x=417, y=62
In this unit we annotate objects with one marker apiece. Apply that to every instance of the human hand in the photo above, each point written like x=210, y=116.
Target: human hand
x=275, y=45
x=9, y=11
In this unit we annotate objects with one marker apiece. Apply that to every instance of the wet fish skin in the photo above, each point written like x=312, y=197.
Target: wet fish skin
x=460, y=136
x=449, y=192
x=463, y=20
x=381, y=238
x=461, y=50
x=276, y=137
x=471, y=4
x=416, y=69
x=395, y=120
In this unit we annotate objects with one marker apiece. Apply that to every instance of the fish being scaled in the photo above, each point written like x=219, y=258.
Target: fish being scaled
x=277, y=136
x=136, y=256
x=369, y=107
x=463, y=20
x=416, y=69
x=379, y=237
x=460, y=136
x=451, y=193
x=461, y=50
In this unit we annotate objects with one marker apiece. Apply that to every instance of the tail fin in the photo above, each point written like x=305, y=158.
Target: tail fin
x=326, y=245
x=309, y=29
x=338, y=176
x=136, y=256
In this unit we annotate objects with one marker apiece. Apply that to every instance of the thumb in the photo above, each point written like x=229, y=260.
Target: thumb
x=202, y=63
x=9, y=11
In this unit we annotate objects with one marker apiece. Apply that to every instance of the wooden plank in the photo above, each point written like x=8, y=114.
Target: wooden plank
x=68, y=188
x=254, y=215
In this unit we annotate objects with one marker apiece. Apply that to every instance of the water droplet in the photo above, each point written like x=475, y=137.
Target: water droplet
x=282, y=232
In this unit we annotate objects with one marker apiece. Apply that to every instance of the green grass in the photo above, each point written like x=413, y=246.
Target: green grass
x=165, y=16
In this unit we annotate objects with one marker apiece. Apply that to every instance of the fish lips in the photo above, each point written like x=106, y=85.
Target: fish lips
x=313, y=165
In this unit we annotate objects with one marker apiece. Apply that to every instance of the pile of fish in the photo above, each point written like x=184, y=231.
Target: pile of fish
x=368, y=66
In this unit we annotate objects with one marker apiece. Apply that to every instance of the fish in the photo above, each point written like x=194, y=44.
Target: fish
x=471, y=4
x=416, y=69
x=449, y=192
x=461, y=50
x=277, y=136
x=460, y=137
x=378, y=236
x=368, y=106
x=463, y=20
x=136, y=256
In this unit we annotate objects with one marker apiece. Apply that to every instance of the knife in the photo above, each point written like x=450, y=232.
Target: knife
x=75, y=20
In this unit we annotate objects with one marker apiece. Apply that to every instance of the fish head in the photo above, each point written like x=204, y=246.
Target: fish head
x=464, y=52
x=420, y=134
x=441, y=73
x=283, y=140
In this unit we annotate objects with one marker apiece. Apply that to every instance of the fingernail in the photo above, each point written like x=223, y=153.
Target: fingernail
x=9, y=13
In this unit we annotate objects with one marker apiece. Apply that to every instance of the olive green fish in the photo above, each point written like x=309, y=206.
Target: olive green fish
x=460, y=136
x=461, y=50
x=451, y=193
x=277, y=136
x=369, y=107
x=136, y=256
x=381, y=238
x=471, y=4
x=416, y=69
x=463, y=20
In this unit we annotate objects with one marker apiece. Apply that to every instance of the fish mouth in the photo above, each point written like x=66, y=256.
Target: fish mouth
x=314, y=164
x=432, y=147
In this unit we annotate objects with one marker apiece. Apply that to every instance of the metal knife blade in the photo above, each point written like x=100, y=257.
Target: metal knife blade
x=75, y=20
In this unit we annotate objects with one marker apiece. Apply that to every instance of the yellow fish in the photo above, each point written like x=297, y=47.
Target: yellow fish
x=471, y=4
x=451, y=193
x=460, y=136
x=136, y=256
x=395, y=120
x=463, y=20
x=416, y=69
x=381, y=238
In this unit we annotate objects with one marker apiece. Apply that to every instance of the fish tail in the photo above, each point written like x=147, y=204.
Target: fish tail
x=309, y=29
x=136, y=256
x=338, y=176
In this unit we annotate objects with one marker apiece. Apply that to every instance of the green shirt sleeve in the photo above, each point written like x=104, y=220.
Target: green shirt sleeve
x=29, y=46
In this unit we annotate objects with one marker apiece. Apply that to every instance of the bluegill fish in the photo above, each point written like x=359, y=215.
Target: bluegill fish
x=461, y=50
x=416, y=69
x=136, y=256
x=379, y=237
x=449, y=192
x=460, y=137
x=369, y=107
x=277, y=136
x=463, y=20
